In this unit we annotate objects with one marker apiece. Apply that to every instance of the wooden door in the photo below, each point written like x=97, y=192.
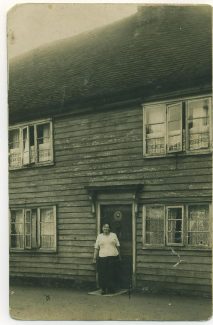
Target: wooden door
x=119, y=217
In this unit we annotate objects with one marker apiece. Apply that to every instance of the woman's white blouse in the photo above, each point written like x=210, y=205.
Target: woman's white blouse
x=107, y=244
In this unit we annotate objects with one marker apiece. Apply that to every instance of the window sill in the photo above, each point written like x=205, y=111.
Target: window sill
x=32, y=251
x=32, y=166
x=180, y=154
x=180, y=248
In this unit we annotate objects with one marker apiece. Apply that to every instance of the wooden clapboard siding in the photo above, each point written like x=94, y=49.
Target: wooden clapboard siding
x=55, y=277
x=144, y=172
x=106, y=148
x=170, y=287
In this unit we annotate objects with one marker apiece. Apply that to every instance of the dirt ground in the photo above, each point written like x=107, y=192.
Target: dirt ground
x=40, y=303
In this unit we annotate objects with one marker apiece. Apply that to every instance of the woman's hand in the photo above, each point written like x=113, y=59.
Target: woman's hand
x=94, y=261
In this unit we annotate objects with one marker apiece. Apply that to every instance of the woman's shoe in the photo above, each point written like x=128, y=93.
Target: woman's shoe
x=103, y=291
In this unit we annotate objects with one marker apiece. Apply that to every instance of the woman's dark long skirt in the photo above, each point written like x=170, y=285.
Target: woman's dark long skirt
x=108, y=272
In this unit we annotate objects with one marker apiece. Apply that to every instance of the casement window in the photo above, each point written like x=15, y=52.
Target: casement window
x=155, y=129
x=30, y=144
x=33, y=229
x=198, y=122
x=15, y=148
x=184, y=225
x=174, y=225
x=154, y=225
x=174, y=127
x=181, y=126
x=199, y=225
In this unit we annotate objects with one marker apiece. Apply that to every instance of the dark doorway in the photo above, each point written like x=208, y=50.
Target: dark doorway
x=119, y=217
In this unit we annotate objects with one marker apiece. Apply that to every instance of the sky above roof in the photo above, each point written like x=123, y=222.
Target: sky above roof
x=32, y=25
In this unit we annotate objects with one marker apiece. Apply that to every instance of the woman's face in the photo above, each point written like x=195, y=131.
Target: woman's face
x=106, y=229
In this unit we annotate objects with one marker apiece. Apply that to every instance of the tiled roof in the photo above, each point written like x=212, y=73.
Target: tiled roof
x=140, y=56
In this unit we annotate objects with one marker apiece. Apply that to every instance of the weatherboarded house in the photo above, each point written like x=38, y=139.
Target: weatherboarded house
x=115, y=126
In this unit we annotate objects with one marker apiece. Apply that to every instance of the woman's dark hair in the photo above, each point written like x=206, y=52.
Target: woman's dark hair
x=104, y=224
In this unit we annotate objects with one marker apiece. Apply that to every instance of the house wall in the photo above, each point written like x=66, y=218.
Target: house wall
x=106, y=148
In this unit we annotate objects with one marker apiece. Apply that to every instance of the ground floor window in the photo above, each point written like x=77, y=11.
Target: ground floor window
x=174, y=225
x=154, y=224
x=33, y=228
x=198, y=225
x=179, y=225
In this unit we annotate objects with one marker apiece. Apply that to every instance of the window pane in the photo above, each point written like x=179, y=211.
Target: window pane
x=47, y=228
x=154, y=225
x=17, y=241
x=155, y=114
x=32, y=144
x=174, y=127
x=28, y=241
x=34, y=228
x=17, y=216
x=15, y=158
x=175, y=237
x=28, y=216
x=47, y=215
x=28, y=229
x=174, y=225
x=17, y=229
x=155, y=129
x=47, y=241
x=198, y=123
x=14, y=149
x=44, y=142
x=14, y=139
x=198, y=225
x=26, y=157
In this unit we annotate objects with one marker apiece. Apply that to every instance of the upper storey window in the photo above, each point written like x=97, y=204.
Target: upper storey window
x=30, y=144
x=174, y=127
x=177, y=126
x=198, y=123
x=155, y=129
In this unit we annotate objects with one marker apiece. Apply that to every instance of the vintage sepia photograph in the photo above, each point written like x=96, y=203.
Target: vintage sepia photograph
x=110, y=161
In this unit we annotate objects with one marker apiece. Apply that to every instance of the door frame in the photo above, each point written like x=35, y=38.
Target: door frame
x=98, y=223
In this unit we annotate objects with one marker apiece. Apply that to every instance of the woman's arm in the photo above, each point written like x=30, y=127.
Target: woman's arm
x=119, y=252
x=118, y=246
x=95, y=255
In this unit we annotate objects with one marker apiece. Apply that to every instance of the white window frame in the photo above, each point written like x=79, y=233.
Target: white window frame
x=38, y=230
x=194, y=151
x=184, y=244
x=144, y=226
x=146, y=107
x=185, y=132
x=210, y=225
x=27, y=126
x=41, y=249
x=167, y=228
x=25, y=230
x=10, y=221
x=19, y=150
x=167, y=127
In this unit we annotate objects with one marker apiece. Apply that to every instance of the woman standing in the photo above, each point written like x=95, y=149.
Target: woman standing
x=107, y=251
